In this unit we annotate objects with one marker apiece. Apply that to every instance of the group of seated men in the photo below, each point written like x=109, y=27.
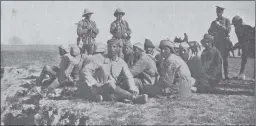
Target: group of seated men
x=143, y=72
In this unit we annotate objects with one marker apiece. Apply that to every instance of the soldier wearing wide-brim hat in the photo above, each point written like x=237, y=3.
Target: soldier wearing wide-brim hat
x=120, y=29
x=220, y=29
x=86, y=31
x=119, y=11
x=86, y=12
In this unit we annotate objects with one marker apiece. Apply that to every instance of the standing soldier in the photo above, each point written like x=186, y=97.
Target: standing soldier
x=246, y=41
x=87, y=32
x=220, y=29
x=120, y=30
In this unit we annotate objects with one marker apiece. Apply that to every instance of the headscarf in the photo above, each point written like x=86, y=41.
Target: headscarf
x=74, y=50
x=64, y=47
x=169, y=44
x=139, y=45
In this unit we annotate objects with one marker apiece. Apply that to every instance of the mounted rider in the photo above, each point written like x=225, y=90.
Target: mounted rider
x=87, y=32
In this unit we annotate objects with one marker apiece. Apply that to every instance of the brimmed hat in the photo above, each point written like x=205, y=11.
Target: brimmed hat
x=86, y=11
x=139, y=45
x=74, y=50
x=100, y=48
x=236, y=19
x=120, y=11
x=218, y=8
x=207, y=38
x=148, y=44
x=167, y=43
x=64, y=47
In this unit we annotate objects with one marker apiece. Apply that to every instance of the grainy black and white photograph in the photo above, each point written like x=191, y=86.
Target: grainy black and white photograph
x=128, y=63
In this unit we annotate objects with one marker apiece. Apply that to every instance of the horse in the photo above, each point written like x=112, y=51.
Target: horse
x=193, y=45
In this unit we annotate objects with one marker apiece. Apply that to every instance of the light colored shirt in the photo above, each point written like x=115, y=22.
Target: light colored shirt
x=117, y=71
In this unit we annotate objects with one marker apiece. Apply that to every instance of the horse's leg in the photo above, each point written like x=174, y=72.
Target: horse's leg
x=199, y=47
x=239, y=52
x=233, y=53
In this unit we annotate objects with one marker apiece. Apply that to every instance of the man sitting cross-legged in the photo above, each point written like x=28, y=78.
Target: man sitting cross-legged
x=110, y=77
x=175, y=78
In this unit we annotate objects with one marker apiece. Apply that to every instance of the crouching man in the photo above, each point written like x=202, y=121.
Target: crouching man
x=68, y=70
x=110, y=78
x=175, y=78
x=211, y=61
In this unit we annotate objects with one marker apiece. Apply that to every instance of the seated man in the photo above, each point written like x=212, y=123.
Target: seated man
x=128, y=53
x=194, y=65
x=211, y=61
x=68, y=70
x=175, y=77
x=152, y=52
x=144, y=69
x=111, y=77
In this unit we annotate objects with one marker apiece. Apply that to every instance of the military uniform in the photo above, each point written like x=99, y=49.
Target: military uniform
x=120, y=30
x=87, y=31
x=221, y=38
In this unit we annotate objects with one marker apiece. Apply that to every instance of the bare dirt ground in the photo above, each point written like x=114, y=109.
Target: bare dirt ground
x=231, y=103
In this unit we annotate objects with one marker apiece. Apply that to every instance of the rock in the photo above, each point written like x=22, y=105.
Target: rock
x=31, y=99
x=37, y=119
x=8, y=118
x=22, y=92
x=29, y=109
x=20, y=119
x=83, y=119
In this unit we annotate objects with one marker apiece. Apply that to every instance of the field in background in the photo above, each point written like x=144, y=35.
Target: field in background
x=24, y=55
x=231, y=103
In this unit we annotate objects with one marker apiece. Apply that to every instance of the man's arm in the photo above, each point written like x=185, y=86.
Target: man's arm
x=212, y=30
x=128, y=30
x=227, y=27
x=166, y=79
x=95, y=29
x=66, y=67
x=80, y=30
x=87, y=73
x=138, y=67
x=130, y=80
x=113, y=28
